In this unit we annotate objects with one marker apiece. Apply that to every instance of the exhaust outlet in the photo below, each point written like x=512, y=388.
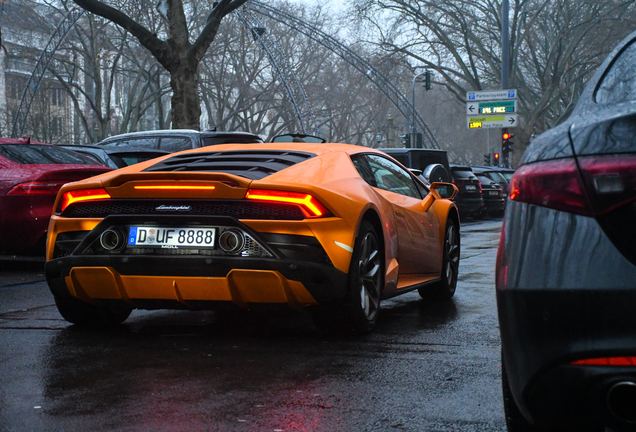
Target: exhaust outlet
x=231, y=241
x=621, y=400
x=112, y=240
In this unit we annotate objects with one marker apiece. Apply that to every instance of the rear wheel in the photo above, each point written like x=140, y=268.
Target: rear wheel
x=81, y=313
x=359, y=311
x=445, y=288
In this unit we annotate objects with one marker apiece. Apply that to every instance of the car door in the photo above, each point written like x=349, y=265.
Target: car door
x=417, y=227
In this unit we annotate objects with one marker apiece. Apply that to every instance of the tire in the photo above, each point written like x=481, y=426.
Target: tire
x=445, y=288
x=515, y=421
x=359, y=312
x=81, y=313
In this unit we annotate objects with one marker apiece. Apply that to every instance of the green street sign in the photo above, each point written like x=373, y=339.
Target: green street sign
x=491, y=107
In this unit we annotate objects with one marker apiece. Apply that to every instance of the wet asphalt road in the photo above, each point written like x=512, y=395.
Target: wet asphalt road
x=428, y=366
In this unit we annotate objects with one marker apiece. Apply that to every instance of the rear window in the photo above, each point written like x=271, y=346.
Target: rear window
x=485, y=180
x=147, y=142
x=463, y=174
x=230, y=139
x=31, y=154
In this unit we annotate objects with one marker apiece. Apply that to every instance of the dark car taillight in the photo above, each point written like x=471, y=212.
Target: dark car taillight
x=36, y=188
x=556, y=184
x=603, y=183
x=610, y=180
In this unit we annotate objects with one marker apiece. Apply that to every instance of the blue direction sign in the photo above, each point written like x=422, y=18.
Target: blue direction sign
x=491, y=95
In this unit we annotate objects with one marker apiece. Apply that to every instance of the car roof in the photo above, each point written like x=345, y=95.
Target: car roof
x=24, y=140
x=173, y=132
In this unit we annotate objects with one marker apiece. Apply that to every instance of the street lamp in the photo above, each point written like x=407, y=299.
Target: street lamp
x=413, y=128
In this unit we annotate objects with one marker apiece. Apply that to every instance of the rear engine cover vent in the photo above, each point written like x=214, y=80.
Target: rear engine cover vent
x=252, y=164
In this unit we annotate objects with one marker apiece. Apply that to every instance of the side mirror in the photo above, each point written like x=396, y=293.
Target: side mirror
x=444, y=190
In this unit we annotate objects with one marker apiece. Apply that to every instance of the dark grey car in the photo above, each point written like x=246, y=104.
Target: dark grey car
x=174, y=140
x=566, y=267
x=116, y=157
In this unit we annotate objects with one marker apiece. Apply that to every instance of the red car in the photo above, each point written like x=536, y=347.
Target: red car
x=31, y=173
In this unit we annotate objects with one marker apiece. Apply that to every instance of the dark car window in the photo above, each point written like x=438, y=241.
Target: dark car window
x=230, y=139
x=175, y=144
x=152, y=143
x=496, y=177
x=29, y=154
x=463, y=174
x=362, y=165
x=485, y=180
x=392, y=177
x=619, y=83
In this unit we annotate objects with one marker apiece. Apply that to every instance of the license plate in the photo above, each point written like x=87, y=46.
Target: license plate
x=494, y=193
x=471, y=187
x=171, y=238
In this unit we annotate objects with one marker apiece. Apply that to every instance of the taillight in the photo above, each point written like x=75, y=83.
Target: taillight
x=309, y=205
x=174, y=187
x=555, y=184
x=36, y=188
x=607, y=361
x=610, y=180
x=81, y=195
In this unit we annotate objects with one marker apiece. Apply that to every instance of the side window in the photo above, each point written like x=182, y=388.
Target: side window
x=392, y=177
x=151, y=143
x=362, y=165
x=175, y=144
x=619, y=83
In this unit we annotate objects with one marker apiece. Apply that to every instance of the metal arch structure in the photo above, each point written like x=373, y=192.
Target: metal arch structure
x=401, y=102
x=40, y=68
x=279, y=63
x=295, y=92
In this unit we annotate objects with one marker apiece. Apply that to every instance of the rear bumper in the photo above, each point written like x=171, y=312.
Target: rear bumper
x=194, y=282
x=564, y=293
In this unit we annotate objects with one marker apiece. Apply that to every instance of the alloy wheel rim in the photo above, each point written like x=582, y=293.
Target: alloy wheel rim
x=369, y=266
x=452, y=255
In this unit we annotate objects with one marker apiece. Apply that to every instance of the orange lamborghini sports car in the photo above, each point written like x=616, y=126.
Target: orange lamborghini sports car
x=334, y=227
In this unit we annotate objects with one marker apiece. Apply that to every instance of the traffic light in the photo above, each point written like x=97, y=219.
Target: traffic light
x=427, y=80
x=419, y=140
x=405, y=139
x=487, y=159
x=506, y=144
x=496, y=160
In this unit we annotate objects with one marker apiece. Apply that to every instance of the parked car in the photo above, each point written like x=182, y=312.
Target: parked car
x=174, y=140
x=334, y=227
x=506, y=172
x=31, y=173
x=433, y=163
x=116, y=157
x=566, y=266
x=492, y=193
x=494, y=175
x=469, y=198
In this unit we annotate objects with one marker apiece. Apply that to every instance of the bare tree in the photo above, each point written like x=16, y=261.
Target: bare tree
x=177, y=54
x=555, y=46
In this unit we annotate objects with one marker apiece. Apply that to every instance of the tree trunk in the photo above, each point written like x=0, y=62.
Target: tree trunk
x=186, y=103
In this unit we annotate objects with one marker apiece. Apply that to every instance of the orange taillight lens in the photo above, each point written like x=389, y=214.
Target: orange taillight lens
x=309, y=205
x=81, y=195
